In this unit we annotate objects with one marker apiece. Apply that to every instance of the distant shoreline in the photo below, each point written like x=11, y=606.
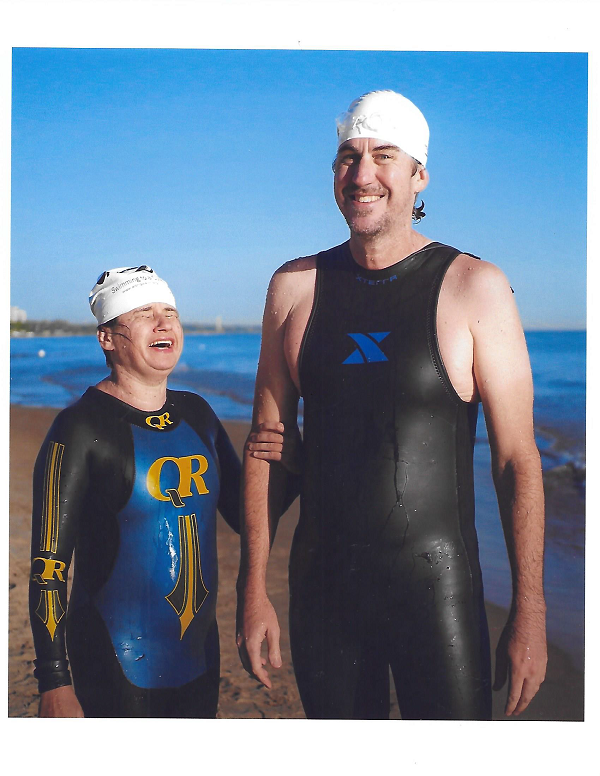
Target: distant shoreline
x=43, y=330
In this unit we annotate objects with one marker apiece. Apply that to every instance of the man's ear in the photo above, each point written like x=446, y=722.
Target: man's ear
x=422, y=179
x=105, y=338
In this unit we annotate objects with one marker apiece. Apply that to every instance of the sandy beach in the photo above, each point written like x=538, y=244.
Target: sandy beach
x=560, y=698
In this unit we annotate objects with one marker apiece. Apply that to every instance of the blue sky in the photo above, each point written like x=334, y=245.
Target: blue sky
x=213, y=166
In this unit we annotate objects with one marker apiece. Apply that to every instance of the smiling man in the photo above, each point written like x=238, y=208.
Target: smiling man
x=131, y=477
x=392, y=339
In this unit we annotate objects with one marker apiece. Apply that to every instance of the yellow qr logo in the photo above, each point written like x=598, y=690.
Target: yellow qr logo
x=159, y=421
x=191, y=470
x=51, y=569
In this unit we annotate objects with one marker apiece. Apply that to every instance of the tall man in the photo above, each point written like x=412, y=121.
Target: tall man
x=392, y=339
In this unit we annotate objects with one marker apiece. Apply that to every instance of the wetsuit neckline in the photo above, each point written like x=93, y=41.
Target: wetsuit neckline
x=129, y=408
x=393, y=269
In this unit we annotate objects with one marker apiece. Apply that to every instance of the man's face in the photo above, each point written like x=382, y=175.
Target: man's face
x=145, y=342
x=375, y=185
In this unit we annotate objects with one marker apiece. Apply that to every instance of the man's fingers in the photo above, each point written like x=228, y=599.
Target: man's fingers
x=527, y=694
x=243, y=653
x=262, y=675
x=273, y=645
x=515, y=688
x=265, y=436
x=268, y=456
x=259, y=622
x=272, y=425
x=269, y=426
x=244, y=659
x=255, y=663
x=265, y=446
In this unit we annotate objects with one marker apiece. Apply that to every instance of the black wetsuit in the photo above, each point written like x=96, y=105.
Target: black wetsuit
x=384, y=569
x=135, y=494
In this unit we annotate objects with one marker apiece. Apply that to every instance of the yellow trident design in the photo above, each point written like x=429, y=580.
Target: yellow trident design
x=50, y=610
x=189, y=592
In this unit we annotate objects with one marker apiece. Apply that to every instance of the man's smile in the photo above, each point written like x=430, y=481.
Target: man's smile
x=363, y=198
x=371, y=198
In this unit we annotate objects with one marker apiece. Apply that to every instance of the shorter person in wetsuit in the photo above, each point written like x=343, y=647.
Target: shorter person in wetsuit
x=130, y=477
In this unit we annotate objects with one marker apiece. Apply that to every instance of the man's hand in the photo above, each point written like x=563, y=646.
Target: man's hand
x=258, y=621
x=61, y=702
x=522, y=655
x=271, y=442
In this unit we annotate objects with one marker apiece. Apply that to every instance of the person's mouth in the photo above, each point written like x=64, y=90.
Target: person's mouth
x=162, y=344
x=364, y=197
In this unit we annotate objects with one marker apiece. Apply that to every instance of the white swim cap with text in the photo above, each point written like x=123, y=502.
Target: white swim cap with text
x=118, y=291
x=387, y=116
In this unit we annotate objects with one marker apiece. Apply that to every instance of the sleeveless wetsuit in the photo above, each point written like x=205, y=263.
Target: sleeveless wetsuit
x=135, y=495
x=384, y=569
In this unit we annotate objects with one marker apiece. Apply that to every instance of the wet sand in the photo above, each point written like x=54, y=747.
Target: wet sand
x=560, y=698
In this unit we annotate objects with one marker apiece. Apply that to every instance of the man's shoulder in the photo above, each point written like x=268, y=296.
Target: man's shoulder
x=478, y=290
x=472, y=275
x=291, y=284
x=305, y=265
x=295, y=266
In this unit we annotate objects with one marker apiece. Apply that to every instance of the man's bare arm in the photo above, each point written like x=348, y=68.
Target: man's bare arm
x=503, y=377
x=263, y=488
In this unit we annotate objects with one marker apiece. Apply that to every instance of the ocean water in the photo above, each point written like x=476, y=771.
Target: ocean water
x=222, y=368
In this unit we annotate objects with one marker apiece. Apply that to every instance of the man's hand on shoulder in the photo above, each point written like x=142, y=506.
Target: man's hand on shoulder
x=60, y=702
x=257, y=621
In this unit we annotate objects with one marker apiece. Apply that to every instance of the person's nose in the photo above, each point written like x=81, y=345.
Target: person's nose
x=161, y=321
x=363, y=171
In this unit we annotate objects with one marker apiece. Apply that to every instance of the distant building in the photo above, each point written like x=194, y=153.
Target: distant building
x=218, y=324
x=17, y=315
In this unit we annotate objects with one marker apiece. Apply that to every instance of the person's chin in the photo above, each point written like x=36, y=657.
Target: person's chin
x=364, y=226
x=165, y=363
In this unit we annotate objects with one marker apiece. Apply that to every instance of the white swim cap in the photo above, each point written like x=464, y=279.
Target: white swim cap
x=121, y=290
x=386, y=115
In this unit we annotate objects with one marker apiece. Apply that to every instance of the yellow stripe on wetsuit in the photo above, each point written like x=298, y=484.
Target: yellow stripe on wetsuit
x=50, y=513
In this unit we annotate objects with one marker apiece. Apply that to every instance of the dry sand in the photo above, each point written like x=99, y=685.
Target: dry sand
x=560, y=698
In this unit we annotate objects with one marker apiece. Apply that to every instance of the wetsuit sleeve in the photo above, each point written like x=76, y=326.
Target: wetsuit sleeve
x=229, y=498
x=60, y=481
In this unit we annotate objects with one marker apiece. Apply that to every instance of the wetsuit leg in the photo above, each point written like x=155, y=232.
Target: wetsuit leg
x=440, y=660
x=195, y=700
x=427, y=622
x=341, y=670
x=104, y=691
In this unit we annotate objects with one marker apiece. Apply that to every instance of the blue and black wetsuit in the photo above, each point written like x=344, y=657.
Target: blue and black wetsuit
x=384, y=569
x=135, y=494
